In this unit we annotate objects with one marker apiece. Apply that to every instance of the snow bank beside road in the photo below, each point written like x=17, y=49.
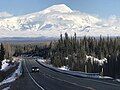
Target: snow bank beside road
x=41, y=60
x=118, y=80
x=7, y=64
x=64, y=68
x=4, y=64
x=14, y=76
x=7, y=88
x=74, y=73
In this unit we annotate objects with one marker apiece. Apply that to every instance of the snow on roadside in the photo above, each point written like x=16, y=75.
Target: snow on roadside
x=41, y=60
x=118, y=80
x=75, y=73
x=64, y=68
x=7, y=88
x=105, y=77
x=14, y=76
x=4, y=64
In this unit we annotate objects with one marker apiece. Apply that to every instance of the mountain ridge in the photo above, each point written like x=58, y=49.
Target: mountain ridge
x=55, y=20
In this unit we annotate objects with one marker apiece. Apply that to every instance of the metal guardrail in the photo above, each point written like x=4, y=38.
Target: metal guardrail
x=73, y=73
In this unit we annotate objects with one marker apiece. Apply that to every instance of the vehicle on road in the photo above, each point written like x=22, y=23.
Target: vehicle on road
x=35, y=69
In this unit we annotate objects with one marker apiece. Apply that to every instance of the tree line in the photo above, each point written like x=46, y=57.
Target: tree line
x=2, y=54
x=71, y=52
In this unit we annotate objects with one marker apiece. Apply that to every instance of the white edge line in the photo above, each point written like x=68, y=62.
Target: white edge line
x=72, y=83
x=105, y=82
x=108, y=83
x=33, y=78
x=49, y=76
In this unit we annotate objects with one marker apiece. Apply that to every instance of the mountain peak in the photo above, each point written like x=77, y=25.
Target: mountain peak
x=58, y=8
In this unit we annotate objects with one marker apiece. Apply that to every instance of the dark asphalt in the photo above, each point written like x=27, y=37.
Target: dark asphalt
x=52, y=80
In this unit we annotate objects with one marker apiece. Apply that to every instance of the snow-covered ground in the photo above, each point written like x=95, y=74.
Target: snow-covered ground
x=41, y=60
x=105, y=77
x=6, y=65
x=93, y=59
x=61, y=68
x=14, y=76
x=118, y=80
x=64, y=68
x=57, y=19
x=7, y=88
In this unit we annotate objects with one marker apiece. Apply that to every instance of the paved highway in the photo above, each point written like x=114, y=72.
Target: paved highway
x=48, y=79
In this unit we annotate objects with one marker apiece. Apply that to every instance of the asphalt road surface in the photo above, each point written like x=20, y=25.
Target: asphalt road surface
x=48, y=79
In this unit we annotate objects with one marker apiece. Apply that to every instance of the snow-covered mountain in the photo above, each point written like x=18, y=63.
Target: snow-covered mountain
x=55, y=20
x=5, y=15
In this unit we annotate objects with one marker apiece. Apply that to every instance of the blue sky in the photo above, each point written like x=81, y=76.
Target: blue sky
x=103, y=8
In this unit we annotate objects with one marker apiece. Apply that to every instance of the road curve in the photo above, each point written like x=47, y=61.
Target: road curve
x=48, y=79
x=42, y=80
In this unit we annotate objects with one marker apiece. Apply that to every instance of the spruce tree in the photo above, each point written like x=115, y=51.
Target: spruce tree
x=2, y=53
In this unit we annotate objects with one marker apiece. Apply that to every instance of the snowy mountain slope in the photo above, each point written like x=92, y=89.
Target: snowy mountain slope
x=5, y=15
x=57, y=8
x=55, y=20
